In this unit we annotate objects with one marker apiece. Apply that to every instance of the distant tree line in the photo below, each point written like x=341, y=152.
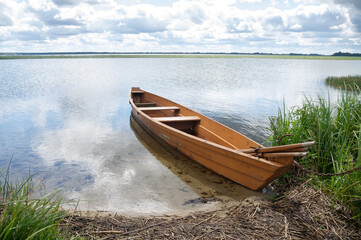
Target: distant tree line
x=347, y=54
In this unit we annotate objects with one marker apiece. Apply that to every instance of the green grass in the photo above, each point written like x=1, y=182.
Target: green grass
x=23, y=217
x=7, y=57
x=337, y=130
x=345, y=83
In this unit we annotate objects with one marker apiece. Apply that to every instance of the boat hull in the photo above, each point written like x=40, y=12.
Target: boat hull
x=252, y=172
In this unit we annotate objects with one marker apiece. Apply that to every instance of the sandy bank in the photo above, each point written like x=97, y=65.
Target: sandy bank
x=300, y=213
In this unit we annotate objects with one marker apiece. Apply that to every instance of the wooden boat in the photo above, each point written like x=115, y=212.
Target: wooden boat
x=210, y=143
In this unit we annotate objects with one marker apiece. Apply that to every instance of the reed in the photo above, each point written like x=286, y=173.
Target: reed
x=337, y=130
x=22, y=217
x=345, y=83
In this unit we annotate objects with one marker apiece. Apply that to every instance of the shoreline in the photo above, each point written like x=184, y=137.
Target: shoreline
x=300, y=212
x=275, y=56
x=200, y=204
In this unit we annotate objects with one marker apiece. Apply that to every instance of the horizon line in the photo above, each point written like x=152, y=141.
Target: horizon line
x=168, y=52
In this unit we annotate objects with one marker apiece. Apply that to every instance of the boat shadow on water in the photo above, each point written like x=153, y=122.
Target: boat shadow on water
x=206, y=183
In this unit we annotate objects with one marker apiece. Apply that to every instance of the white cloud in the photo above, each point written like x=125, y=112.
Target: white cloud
x=249, y=1
x=77, y=2
x=183, y=26
x=296, y=26
x=42, y=5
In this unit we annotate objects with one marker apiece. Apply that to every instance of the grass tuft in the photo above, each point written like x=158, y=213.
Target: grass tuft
x=337, y=130
x=22, y=217
x=345, y=83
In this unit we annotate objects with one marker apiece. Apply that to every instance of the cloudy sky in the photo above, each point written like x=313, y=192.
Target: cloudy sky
x=278, y=26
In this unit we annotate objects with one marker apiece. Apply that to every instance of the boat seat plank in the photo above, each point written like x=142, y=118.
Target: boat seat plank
x=178, y=119
x=137, y=92
x=145, y=104
x=158, y=108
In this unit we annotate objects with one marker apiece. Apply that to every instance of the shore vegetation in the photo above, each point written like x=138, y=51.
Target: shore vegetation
x=25, y=217
x=336, y=126
x=345, y=83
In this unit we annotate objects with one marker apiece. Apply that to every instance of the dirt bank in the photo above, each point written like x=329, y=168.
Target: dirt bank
x=300, y=213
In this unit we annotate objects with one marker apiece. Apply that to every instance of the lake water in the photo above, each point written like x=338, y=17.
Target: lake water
x=69, y=121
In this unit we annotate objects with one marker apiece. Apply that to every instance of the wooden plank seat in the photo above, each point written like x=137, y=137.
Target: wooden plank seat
x=178, y=119
x=158, y=108
x=145, y=104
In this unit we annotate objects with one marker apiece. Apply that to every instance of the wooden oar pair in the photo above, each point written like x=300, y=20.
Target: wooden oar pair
x=291, y=150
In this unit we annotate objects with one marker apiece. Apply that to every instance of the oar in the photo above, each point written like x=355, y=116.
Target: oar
x=305, y=149
x=282, y=154
x=281, y=148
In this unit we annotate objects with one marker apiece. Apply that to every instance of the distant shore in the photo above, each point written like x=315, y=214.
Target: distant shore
x=153, y=55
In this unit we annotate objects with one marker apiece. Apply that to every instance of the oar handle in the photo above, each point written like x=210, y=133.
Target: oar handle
x=282, y=148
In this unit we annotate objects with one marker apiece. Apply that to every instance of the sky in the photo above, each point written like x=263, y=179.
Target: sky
x=268, y=26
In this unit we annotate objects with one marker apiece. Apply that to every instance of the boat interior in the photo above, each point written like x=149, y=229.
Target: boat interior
x=169, y=115
x=184, y=119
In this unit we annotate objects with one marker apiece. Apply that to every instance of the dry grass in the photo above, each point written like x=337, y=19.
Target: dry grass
x=301, y=213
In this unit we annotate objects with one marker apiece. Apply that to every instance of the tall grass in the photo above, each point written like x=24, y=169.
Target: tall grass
x=337, y=129
x=345, y=83
x=22, y=217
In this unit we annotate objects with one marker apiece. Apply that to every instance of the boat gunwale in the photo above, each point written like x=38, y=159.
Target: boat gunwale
x=275, y=165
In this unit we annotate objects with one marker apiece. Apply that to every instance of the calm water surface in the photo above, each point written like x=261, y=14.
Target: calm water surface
x=69, y=120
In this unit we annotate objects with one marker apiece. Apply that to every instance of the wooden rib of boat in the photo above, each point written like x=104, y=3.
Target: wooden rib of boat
x=210, y=143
